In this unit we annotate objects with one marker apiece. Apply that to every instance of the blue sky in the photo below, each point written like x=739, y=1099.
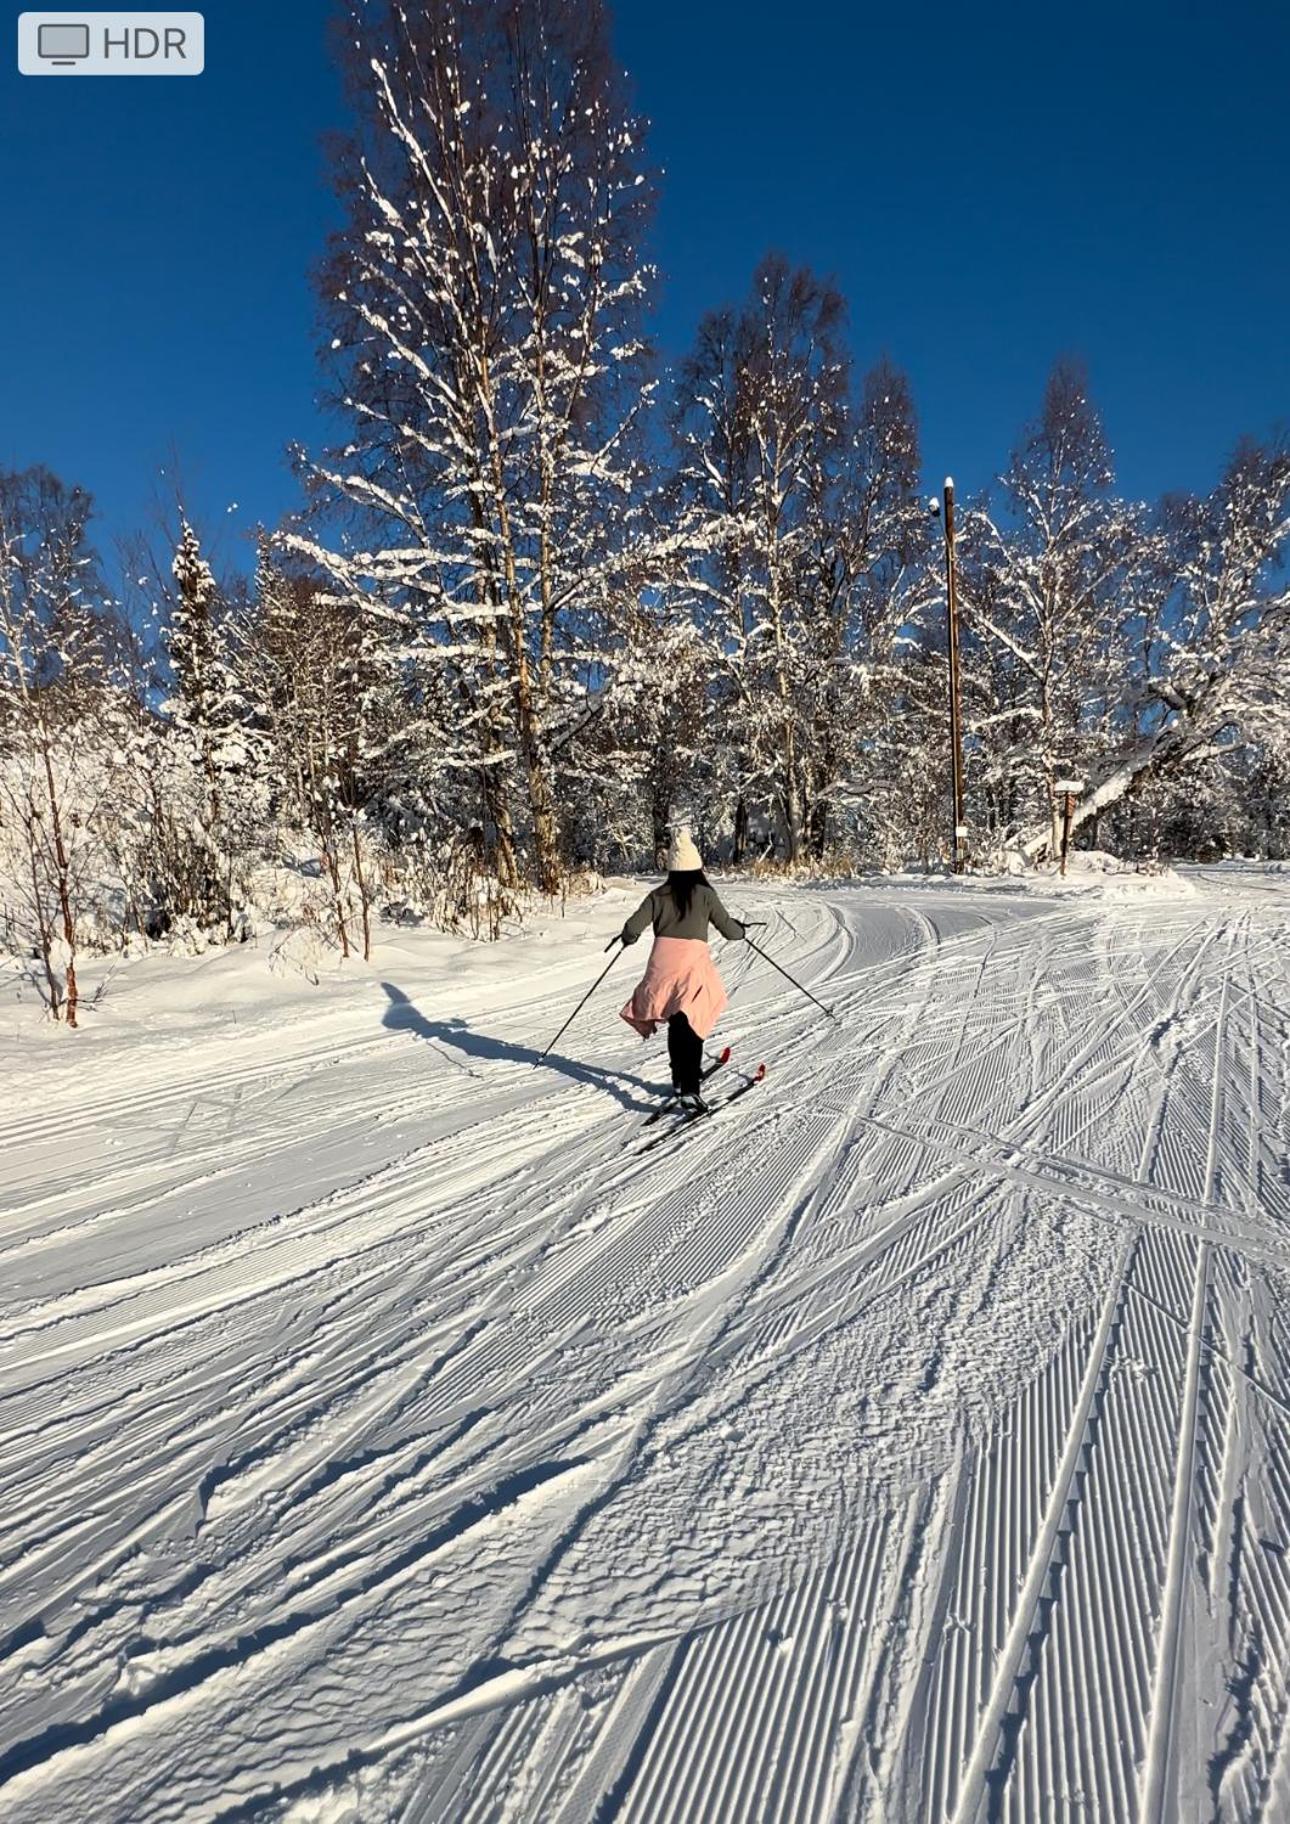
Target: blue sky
x=989, y=191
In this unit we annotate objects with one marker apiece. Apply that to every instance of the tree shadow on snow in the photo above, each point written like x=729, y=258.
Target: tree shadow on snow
x=402, y=1015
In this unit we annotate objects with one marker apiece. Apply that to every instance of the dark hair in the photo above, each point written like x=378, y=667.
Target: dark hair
x=681, y=883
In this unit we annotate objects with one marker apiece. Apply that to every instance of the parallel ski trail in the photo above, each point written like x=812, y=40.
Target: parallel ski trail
x=906, y=1443
x=1160, y=1795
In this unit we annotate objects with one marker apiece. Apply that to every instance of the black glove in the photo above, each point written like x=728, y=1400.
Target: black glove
x=628, y=937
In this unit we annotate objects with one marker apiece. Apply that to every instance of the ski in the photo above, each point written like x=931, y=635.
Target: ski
x=689, y=1116
x=722, y=1057
x=669, y=1102
x=685, y=1117
x=748, y=1083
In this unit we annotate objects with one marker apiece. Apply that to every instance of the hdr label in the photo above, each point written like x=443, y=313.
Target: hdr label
x=111, y=44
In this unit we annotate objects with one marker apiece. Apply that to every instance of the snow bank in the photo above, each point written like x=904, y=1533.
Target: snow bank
x=173, y=1001
x=1088, y=872
x=1092, y=871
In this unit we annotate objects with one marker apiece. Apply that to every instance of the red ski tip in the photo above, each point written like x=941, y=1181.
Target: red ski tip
x=725, y=1056
x=759, y=1073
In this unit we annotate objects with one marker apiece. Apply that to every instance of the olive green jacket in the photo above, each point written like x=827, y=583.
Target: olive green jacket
x=659, y=909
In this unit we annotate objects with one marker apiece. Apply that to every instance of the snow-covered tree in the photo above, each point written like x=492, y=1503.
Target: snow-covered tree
x=214, y=742
x=761, y=426
x=485, y=295
x=796, y=506
x=60, y=711
x=864, y=578
x=330, y=717
x=1045, y=580
x=1202, y=647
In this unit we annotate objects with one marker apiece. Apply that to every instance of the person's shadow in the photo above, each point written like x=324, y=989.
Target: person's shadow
x=402, y=1015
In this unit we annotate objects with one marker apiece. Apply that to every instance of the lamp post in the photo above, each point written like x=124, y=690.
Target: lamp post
x=959, y=831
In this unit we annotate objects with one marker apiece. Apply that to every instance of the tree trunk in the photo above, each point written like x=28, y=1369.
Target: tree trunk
x=659, y=809
x=497, y=818
x=741, y=830
x=541, y=795
x=42, y=923
x=493, y=783
x=362, y=893
x=546, y=843
x=546, y=840
x=792, y=803
x=789, y=792
x=332, y=861
x=64, y=889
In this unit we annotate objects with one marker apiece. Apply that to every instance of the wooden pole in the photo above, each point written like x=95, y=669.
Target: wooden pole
x=1070, y=790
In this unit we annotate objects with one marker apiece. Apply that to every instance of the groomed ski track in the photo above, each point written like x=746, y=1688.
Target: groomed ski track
x=383, y=1439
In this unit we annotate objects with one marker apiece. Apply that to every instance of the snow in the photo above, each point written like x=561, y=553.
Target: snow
x=1089, y=871
x=384, y=1438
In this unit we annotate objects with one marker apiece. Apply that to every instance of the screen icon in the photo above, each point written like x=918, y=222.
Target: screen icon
x=111, y=44
x=64, y=44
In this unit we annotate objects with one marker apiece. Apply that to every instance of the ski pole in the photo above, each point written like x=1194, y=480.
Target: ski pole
x=790, y=978
x=583, y=1002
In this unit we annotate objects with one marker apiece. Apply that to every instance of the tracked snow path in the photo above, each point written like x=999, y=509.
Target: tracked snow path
x=384, y=1438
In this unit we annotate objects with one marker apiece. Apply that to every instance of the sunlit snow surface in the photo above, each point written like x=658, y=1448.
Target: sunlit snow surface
x=384, y=1437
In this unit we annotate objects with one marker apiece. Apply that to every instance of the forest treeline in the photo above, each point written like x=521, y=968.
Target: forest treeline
x=550, y=595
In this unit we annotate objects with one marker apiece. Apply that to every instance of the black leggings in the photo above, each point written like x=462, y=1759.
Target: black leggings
x=685, y=1054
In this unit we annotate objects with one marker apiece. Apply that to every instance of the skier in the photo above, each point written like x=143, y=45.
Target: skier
x=680, y=983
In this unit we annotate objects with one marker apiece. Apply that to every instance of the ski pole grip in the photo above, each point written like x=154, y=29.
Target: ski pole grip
x=609, y=946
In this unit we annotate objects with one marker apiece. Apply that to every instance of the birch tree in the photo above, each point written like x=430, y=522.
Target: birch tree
x=485, y=295
x=57, y=644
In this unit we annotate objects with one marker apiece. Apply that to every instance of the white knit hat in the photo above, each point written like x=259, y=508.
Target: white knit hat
x=682, y=855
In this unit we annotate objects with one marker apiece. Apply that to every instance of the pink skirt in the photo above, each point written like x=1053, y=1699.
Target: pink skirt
x=680, y=977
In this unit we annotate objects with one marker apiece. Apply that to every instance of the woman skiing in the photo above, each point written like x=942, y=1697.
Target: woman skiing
x=680, y=983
